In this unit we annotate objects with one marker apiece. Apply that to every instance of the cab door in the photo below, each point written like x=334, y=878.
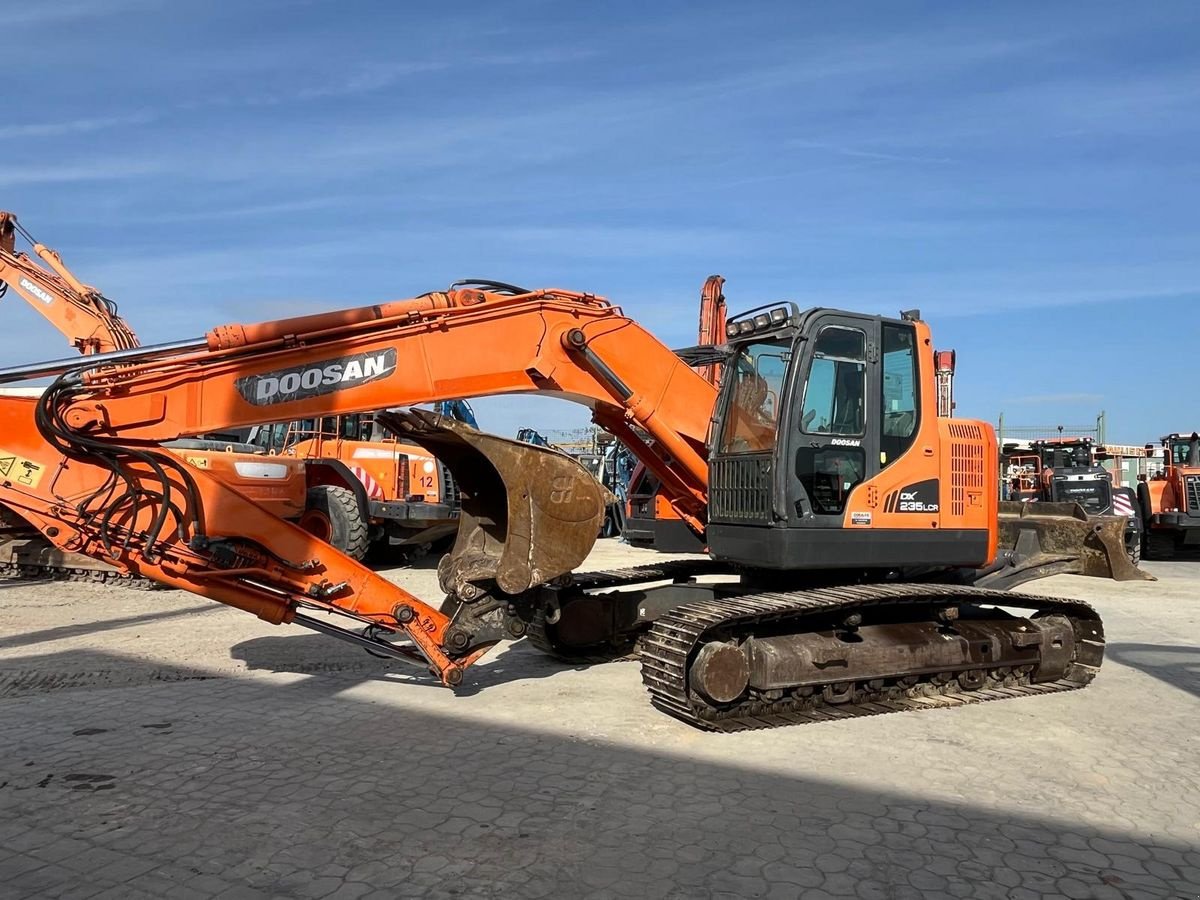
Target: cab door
x=833, y=442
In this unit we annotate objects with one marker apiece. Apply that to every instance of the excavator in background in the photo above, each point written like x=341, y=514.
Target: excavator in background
x=311, y=495
x=650, y=521
x=1169, y=500
x=855, y=566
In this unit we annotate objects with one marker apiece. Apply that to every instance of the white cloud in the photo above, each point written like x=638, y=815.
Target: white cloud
x=72, y=126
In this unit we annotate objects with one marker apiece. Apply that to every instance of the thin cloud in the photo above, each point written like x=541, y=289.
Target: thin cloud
x=370, y=77
x=72, y=126
x=858, y=153
x=12, y=176
x=47, y=12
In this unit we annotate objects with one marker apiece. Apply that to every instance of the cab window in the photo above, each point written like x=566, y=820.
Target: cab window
x=757, y=385
x=836, y=387
x=899, y=407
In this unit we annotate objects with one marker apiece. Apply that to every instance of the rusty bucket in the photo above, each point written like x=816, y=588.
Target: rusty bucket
x=528, y=514
x=1041, y=539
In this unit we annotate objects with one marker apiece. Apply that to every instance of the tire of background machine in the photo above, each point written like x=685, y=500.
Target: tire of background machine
x=351, y=534
x=1159, y=546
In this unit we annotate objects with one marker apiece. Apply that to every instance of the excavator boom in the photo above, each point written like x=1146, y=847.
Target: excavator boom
x=98, y=484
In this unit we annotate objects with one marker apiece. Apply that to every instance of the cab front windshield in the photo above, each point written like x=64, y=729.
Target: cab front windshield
x=751, y=421
x=1181, y=452
x=1067, y=456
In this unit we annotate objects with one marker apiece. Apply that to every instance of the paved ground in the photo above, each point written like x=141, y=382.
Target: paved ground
x=153, y=744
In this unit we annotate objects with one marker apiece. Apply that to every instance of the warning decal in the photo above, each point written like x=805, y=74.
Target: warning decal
x=19, y=470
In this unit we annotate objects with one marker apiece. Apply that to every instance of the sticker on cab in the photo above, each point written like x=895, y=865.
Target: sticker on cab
x=860, y=518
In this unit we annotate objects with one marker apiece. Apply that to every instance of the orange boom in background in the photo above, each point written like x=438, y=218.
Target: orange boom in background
x=400, y=497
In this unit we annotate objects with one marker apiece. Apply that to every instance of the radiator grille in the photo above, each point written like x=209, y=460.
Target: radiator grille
x=966, y=469
x=966, y=431
x=1192, y=488
x=449, y=488
x=740, y=489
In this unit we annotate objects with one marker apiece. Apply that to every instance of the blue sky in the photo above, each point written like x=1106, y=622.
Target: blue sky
x=1024, y=173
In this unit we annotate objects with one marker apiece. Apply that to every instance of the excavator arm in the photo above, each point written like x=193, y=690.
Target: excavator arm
x=85, y=464
x=84, y=316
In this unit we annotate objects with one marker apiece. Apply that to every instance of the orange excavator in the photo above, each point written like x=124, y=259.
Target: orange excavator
x=855, y=562
x=650, y=521
x=92, y=324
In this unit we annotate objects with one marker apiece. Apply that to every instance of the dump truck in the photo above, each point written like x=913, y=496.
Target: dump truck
x=391, y=497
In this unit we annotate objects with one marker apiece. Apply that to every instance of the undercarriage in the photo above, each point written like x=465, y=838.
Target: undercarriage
x=721, y=654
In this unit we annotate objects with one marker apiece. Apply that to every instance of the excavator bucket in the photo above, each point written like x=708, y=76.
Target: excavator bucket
x=528, y=514
x=1041, y=539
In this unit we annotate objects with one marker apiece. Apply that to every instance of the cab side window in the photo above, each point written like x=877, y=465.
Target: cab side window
x=835, y=391
x=900, y=400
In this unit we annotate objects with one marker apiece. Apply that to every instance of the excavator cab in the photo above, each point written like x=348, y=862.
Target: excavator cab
x=826, y=450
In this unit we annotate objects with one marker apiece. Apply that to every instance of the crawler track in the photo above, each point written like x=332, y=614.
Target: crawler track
x=42, y=572
x=670, y=643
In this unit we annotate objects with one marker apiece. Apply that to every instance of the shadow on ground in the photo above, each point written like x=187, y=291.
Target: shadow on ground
x=1177, y=665
x=343, y=664
x=61, y=632
x=237, y=783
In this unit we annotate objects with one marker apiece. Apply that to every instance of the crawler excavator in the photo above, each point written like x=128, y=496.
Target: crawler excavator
x=855, y=566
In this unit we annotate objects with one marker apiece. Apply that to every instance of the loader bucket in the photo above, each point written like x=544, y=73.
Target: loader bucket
x=528, y=514
x=1041, y=539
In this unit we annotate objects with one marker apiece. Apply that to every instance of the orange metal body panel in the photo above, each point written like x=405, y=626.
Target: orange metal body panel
x=960, y=453
x=379, y=461
x=276, y=483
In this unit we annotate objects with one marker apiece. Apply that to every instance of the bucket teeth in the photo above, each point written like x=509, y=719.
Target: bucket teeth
x=529, y=514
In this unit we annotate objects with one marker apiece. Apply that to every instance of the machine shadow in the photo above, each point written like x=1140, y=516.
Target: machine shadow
x=61, y=632
x=1176, y=665
x=340, y=665
x=85, y=670
x=241, y=783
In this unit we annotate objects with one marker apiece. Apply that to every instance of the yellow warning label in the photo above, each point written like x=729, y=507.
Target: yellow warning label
x=200, y=462
x=20, y=470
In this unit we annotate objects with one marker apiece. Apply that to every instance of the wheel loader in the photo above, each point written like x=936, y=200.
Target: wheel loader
x=856, y=564
x=1169, y=501
x=1067, y=472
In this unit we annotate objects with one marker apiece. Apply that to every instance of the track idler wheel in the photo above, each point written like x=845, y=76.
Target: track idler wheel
x=720, y=673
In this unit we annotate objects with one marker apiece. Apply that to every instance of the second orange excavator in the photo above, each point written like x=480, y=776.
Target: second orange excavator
x=347, y=482
x=855, y=562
